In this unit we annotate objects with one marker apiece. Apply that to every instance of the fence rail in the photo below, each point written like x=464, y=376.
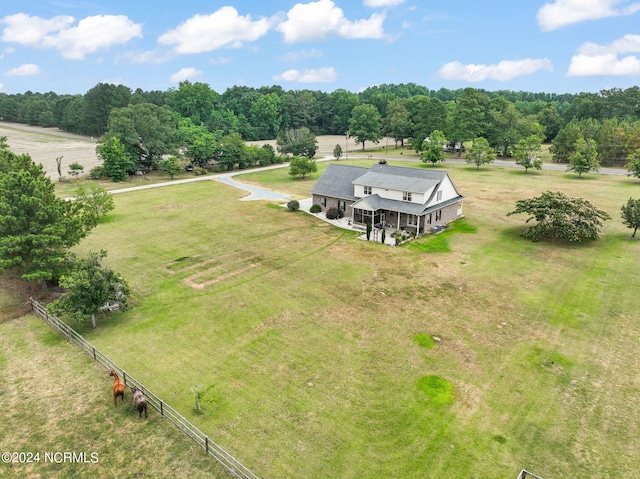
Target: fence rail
x=230, y=463
x=527, y=475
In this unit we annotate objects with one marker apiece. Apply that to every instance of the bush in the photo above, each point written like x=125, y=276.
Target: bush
x=293, y=205
x=334, y=213
x=97, y=172
x=199, y=171
x=315, y=209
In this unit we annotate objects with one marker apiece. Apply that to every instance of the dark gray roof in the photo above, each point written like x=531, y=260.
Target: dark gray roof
x=337, y=181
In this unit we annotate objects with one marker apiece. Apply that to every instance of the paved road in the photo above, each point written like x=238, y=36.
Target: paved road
x=255, y=192
x=258, y=193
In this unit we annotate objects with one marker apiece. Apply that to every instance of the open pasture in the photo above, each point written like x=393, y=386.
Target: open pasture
x=310, y=342
x=54, y=399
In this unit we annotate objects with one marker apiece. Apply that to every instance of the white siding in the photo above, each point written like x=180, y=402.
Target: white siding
x=448, y=192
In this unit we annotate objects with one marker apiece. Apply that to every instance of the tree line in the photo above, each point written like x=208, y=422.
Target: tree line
x=402, y=112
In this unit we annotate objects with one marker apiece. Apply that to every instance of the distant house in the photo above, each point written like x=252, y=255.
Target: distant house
x=412, y=199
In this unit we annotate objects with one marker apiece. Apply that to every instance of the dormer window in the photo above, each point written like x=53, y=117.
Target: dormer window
x=439, y=195
x=367, y=190
x=406, y=196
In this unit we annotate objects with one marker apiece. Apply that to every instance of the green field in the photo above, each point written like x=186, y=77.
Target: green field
x=470, y=354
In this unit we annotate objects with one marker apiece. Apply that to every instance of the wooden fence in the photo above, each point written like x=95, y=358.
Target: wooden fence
x=527, y=475
x=210, y=447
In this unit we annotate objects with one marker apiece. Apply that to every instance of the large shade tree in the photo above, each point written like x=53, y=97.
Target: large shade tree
x=560, y=216
x=298, y=142
x=365, y=124
x=148, y=131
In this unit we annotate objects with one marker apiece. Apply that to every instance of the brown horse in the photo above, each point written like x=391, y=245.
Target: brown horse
x=139, y=400
x=118, y=387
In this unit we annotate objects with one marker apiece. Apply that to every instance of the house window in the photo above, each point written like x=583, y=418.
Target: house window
x=428, y=218
x=406, y=196
x=367, y=190
x=439, y=195
x=412, y=220
x=342, y=205
x=438, y=215
x=324, y=202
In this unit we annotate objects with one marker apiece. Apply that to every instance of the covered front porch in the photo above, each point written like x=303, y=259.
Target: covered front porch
x=394, y=220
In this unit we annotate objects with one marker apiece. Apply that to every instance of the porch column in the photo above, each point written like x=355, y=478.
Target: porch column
x=418, y=230
x=398, y=225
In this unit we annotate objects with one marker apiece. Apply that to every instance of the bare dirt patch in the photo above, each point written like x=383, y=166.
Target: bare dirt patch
x=326, y=144
x=44, y=145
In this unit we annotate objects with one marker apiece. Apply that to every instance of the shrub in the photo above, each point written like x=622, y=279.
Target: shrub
x=199, y=171
x=334, y=213
x=97, y=172
x=315, y=208
x=293, y=205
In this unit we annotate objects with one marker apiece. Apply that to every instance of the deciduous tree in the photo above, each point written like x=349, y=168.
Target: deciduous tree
x=631, y=215
x=146, y=130
x=90, y=287
x=560, y=216
x=337, y=151
x=480, y=153
x=365, y=124
x=527, y=153
x=116, y=160
x=302, y=166
x=433, y=149
x=298, y=142
x=633, y=164
x=585, y=157
x=95, y=202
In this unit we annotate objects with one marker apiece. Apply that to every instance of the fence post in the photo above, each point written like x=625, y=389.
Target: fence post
x=206, y=444
x=161, y=409
x=94, y=353
x=124, y=376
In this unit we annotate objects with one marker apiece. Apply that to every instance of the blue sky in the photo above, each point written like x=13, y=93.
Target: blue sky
x=560, y=46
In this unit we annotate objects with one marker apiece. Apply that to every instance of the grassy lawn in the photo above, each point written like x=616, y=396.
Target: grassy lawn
x=314, y=346
x=305, y=337
x=54, y=399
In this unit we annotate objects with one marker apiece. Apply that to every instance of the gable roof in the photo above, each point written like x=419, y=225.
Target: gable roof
x=337, y=181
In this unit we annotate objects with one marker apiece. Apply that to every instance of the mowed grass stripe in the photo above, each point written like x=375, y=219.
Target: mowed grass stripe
x=313, y=365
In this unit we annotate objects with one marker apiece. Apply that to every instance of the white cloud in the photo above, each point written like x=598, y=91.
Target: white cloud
x=322, y=19
x=223, y=28
x=503, y=71
x=319, y=75
x=301, y=55
x=184, y=74
x=220, y=61
x=91, y=33
x=27, y=69
x=566, y=12
x=382, y=3
x=600, y=60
